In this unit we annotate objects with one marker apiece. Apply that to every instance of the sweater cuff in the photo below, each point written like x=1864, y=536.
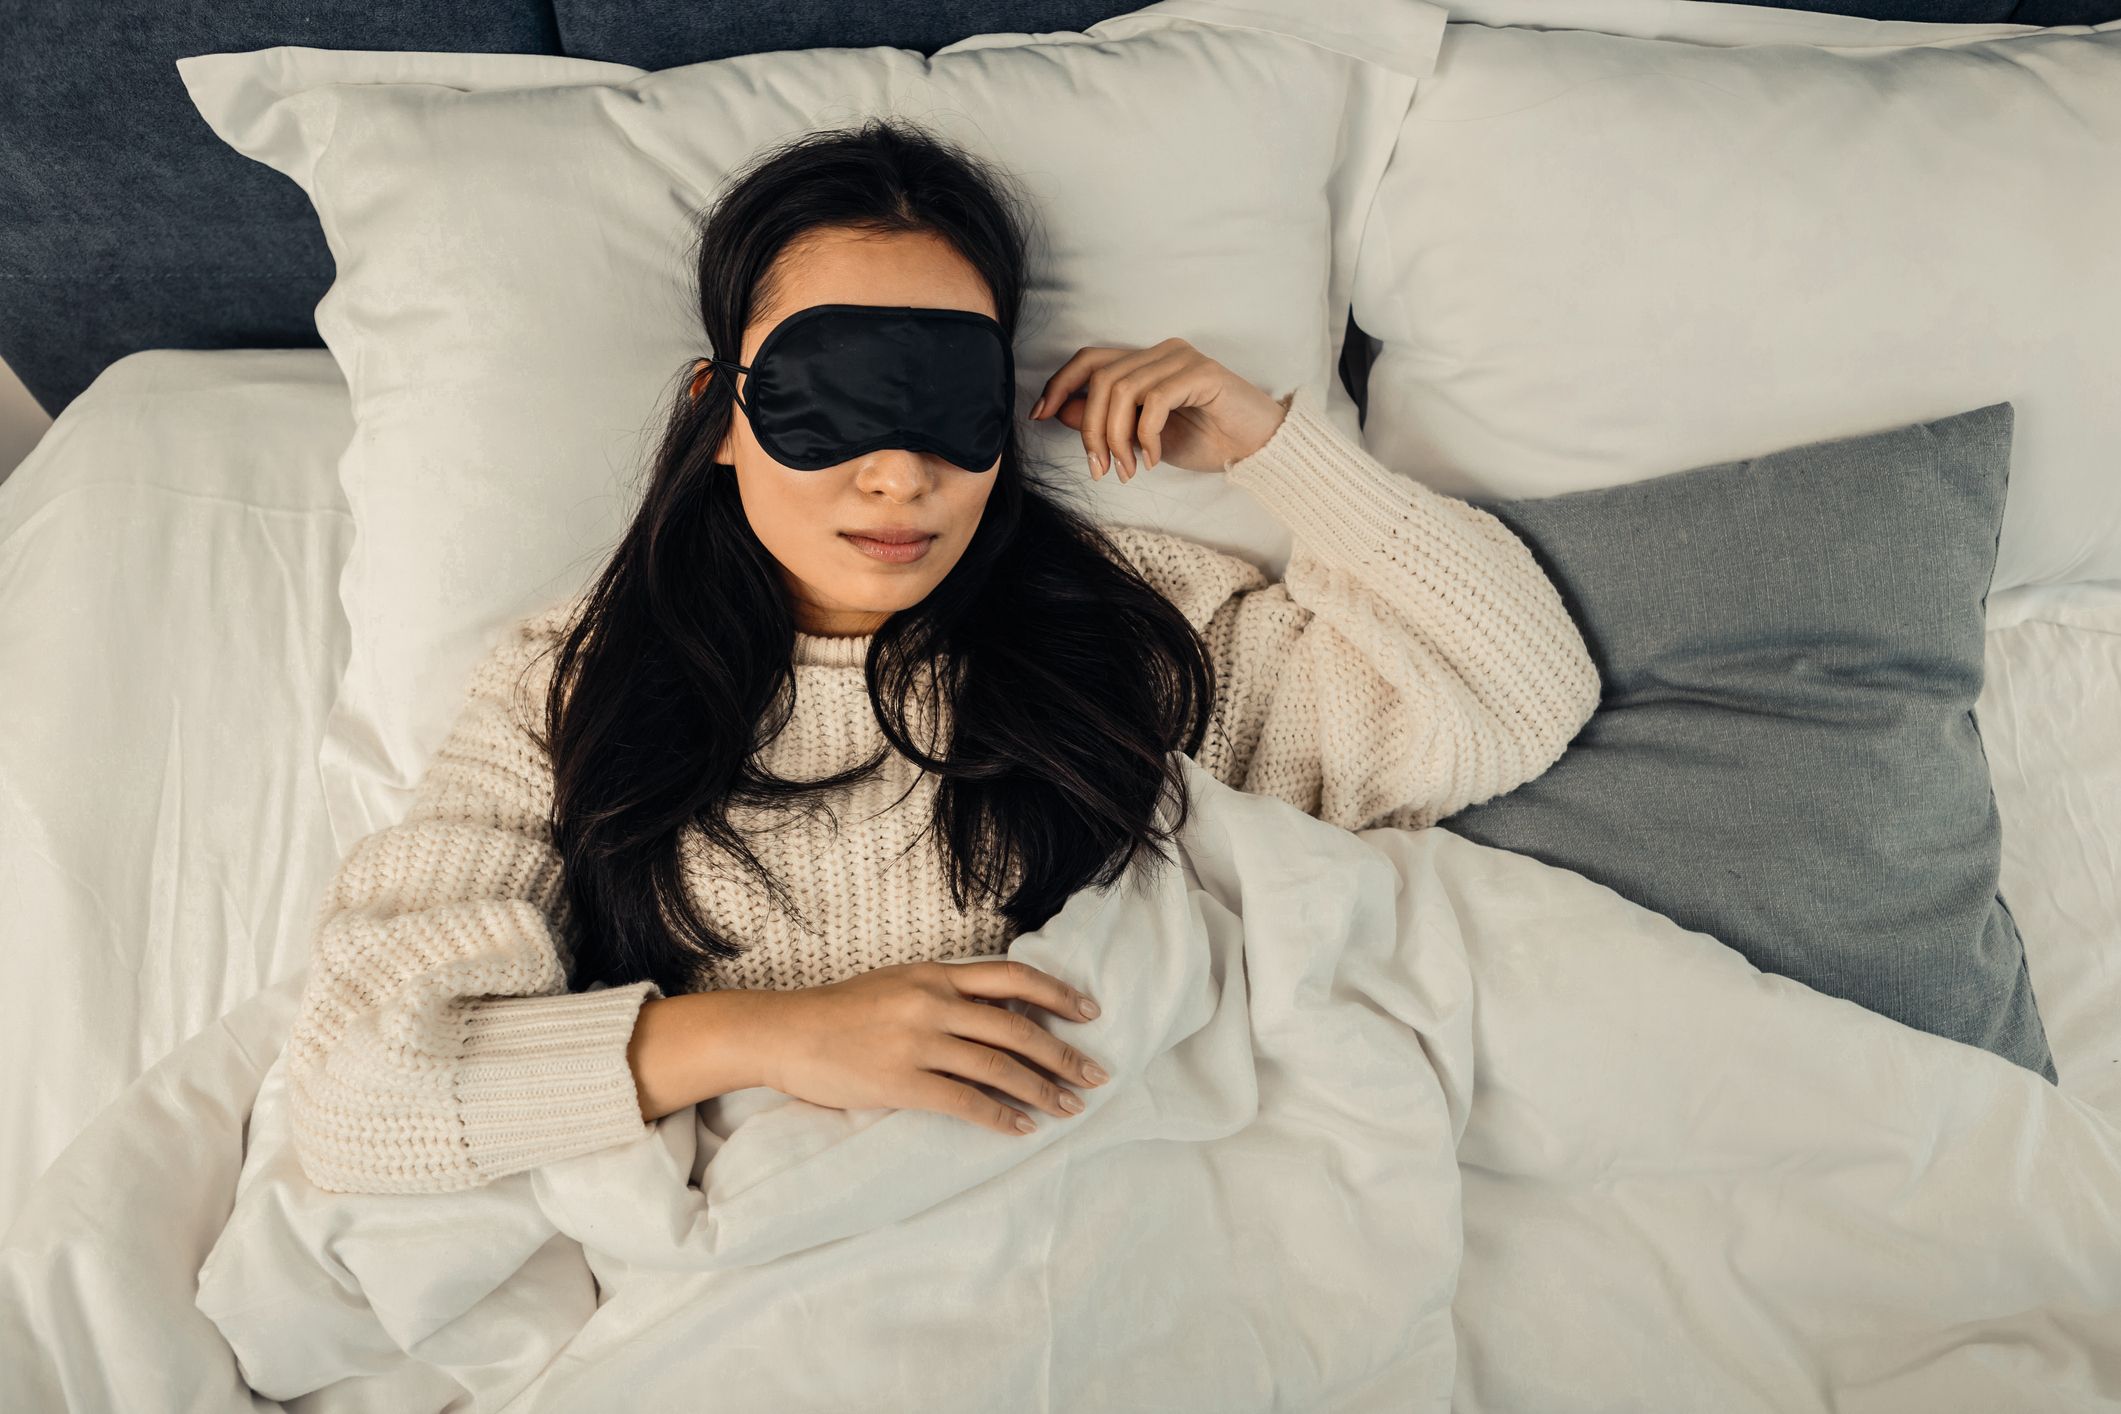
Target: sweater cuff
x=1333, y=495
x=546, y=1078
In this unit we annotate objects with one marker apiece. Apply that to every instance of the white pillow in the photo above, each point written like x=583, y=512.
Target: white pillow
x=513, y=302
x=1597, y=258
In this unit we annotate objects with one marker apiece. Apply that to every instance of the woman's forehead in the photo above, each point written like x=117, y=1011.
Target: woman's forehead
x=834, y=266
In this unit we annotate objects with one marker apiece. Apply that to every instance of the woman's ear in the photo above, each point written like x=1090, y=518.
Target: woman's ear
x=702, y=370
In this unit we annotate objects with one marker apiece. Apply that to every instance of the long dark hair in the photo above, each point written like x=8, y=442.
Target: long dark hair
x=1067, y=680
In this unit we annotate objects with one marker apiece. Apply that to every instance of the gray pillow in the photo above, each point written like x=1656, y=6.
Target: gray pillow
x=1785, y=756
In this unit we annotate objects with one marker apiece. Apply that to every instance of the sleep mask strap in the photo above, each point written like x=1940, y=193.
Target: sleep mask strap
x=725, y=363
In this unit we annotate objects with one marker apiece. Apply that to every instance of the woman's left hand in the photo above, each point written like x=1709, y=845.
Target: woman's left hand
x=1178, y=404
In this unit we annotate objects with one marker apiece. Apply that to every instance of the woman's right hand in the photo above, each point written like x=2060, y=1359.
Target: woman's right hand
x=909, y=1036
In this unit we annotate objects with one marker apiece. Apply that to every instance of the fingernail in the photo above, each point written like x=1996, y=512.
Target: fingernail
x=1086, y=1006
x=1095, y=1073
x=1024, y=1124
x=1095, y=471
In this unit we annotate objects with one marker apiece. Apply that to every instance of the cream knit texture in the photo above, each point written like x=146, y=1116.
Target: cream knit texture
x=1413, y=660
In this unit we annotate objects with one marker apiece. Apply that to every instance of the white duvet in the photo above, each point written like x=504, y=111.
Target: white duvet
x=1397, y=1121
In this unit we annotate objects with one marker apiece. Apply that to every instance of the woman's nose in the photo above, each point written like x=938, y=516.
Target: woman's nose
x=898, y=466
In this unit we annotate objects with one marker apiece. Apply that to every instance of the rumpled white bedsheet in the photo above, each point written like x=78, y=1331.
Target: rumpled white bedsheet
x=1397, y=1122
x=170, y=640
x=1260, y=1208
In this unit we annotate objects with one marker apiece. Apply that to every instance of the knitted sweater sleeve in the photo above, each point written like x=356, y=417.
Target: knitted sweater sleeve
x=435, y=1046
x=1413, y=660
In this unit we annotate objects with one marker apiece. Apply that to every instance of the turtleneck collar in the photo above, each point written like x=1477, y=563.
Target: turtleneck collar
x=832, y=651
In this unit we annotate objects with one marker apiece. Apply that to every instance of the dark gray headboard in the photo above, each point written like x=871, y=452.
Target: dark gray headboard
x=125, y=224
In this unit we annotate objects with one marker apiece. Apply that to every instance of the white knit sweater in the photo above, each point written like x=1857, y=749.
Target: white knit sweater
x=1415, y=660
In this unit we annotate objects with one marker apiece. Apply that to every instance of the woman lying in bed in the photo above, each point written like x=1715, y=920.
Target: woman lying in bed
x=613, y=896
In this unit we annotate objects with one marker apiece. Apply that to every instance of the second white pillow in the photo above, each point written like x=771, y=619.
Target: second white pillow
x=1597, y=258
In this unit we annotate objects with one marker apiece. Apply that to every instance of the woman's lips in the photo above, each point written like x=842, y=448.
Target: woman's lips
x=897, y=554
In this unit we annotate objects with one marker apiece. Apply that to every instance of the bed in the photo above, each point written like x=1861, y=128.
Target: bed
x=168, y=830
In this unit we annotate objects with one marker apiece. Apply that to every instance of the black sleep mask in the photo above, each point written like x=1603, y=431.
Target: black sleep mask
x=836, y=380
